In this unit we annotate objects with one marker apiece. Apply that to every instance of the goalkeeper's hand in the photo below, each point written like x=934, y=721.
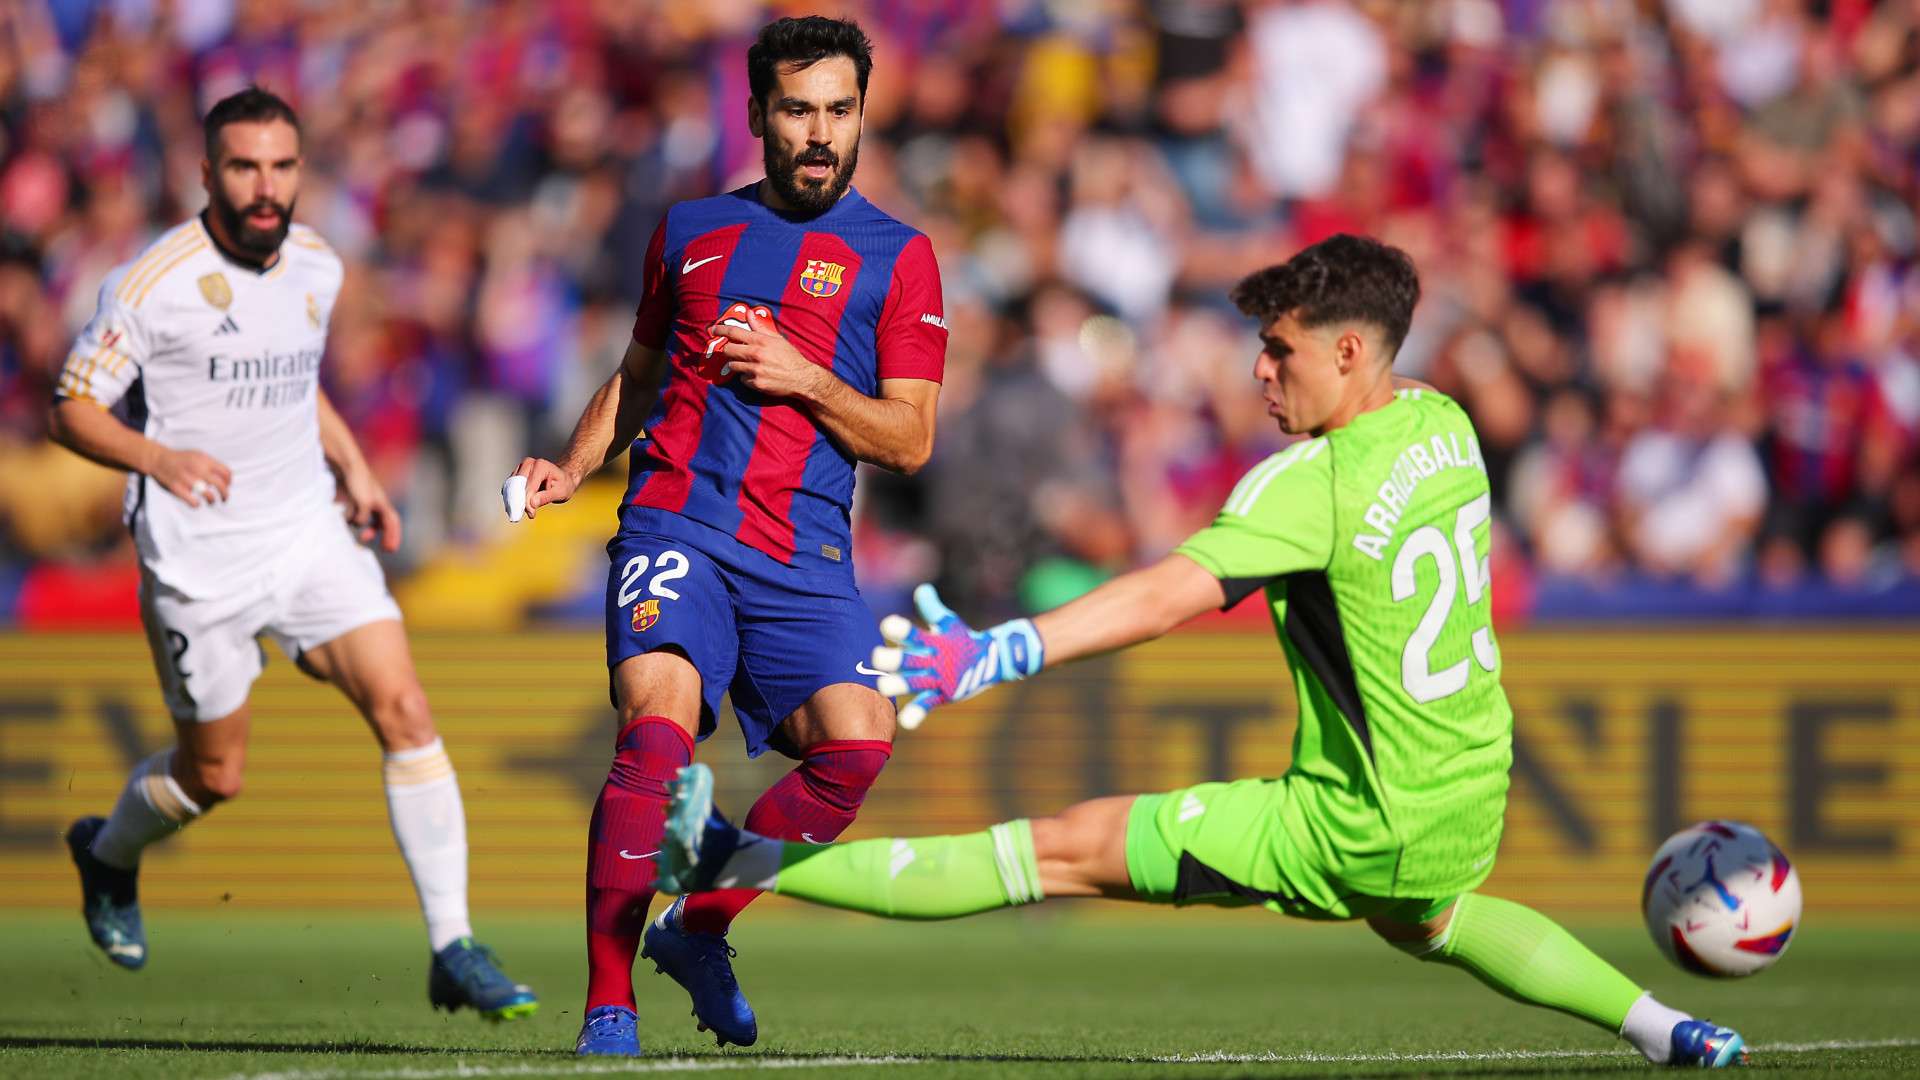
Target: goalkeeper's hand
x=948, y=660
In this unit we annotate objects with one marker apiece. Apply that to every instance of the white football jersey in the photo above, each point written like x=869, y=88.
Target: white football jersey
x=215, y=356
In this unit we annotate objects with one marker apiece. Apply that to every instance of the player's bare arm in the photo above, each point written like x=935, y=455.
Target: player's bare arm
x=368, y=507
x=1128, y=610
x=609, y=423
x=947, y=660
x=97, y=435
x=893, y=431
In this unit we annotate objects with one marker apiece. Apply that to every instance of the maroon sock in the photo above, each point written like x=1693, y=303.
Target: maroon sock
x=627, y=823
x=813, y=804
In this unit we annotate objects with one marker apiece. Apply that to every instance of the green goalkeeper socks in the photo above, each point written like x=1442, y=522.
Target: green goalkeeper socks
x=927, y=877
x=1528, y=957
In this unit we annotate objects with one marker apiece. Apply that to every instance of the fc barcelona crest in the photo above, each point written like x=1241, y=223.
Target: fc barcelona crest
x=215, y=289
x=821, y=279
x=645, y=614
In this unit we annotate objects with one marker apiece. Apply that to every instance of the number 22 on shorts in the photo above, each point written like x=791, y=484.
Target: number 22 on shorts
x=670, y=566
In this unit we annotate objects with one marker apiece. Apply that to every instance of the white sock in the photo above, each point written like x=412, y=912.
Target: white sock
x=1649, y=1028
x=430, y=824
x=151, y=806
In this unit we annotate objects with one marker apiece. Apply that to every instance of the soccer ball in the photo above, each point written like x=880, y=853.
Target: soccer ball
x=1720, y=899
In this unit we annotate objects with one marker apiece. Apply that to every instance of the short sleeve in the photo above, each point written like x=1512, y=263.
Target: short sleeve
x=107, y=356
x=912, y=338
x=655, y=317
x=1278, y=521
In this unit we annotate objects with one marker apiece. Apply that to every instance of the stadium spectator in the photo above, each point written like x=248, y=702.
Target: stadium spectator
x=1630, y=217
x=1690, y=487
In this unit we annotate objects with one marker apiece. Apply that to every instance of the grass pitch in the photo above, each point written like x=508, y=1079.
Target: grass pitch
x=1065, y=993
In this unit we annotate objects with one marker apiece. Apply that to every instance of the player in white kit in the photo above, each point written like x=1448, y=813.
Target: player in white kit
x=210, y=344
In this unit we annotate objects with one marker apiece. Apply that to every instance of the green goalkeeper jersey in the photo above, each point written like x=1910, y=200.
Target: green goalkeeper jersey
x=1371, y=542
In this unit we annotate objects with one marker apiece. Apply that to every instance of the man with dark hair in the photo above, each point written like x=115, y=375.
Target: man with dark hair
x=787, y=330
x=1369, y=538
x=252, y=105
x=808, y=177
x=213, y=339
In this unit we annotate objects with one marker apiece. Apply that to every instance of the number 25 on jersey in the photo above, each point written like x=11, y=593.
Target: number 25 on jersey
x=1458, y=564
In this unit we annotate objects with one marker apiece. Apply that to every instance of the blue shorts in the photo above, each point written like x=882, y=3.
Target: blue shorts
x=770, y=634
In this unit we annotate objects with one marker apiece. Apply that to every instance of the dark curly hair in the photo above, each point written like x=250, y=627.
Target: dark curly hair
x=807, y=40
x=1342, y=278
x=250, y=106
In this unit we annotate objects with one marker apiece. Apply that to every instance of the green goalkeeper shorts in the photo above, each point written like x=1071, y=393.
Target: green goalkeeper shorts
x=1228, y=844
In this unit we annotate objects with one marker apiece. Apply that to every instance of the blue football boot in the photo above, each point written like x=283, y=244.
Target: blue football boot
x=467, y=975
x=610, y=1030
x=703, y=966
x=109, y=898
x=1702, y=1044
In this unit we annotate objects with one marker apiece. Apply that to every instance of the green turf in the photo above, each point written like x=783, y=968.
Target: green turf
x=1027, y=994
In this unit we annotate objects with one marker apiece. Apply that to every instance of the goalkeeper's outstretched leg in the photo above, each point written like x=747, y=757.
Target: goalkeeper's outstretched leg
x=1079, y=852
x=1528, y=957
x=1102, y=848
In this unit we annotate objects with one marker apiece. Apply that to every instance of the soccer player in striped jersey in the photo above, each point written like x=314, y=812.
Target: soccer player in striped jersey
x=1369, y=540
x=209, y=345
x=787, y=330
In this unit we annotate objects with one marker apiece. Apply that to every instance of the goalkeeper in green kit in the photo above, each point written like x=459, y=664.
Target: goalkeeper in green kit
x=1369, y=539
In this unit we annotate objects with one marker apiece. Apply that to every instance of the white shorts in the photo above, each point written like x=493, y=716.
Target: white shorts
x=208, y=651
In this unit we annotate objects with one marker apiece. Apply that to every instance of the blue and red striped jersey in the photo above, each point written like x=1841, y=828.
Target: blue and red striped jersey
x=853, y=289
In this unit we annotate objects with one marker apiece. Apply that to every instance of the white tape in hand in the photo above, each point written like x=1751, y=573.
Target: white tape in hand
x=513, y=494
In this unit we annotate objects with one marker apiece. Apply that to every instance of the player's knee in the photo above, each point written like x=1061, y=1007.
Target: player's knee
x=1066, y=870
x=843, y=712
x=631, y=711
x=875, y=721
x=1424, y=939
x=402, y=717
x=1081, y=850
x=210, y=782
x=1057, y=841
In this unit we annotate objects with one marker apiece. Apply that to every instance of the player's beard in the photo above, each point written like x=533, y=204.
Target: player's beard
x=806, y=196
x=256, y=244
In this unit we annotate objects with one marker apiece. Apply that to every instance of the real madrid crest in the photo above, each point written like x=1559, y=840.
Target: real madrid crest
x=821, y=279
x=216, y=290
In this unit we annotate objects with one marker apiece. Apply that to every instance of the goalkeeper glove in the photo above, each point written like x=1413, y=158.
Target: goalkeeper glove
x=948, y=660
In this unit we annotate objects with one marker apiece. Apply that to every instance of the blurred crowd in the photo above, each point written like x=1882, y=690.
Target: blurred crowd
x=1668, y=250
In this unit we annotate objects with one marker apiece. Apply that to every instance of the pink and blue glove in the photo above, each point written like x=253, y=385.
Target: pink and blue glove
x=948, y=660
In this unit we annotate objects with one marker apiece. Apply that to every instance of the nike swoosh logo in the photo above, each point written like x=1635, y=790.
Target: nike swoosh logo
x=690, y=265
x=863, y=669
x=808, y=837
x=625, y=854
